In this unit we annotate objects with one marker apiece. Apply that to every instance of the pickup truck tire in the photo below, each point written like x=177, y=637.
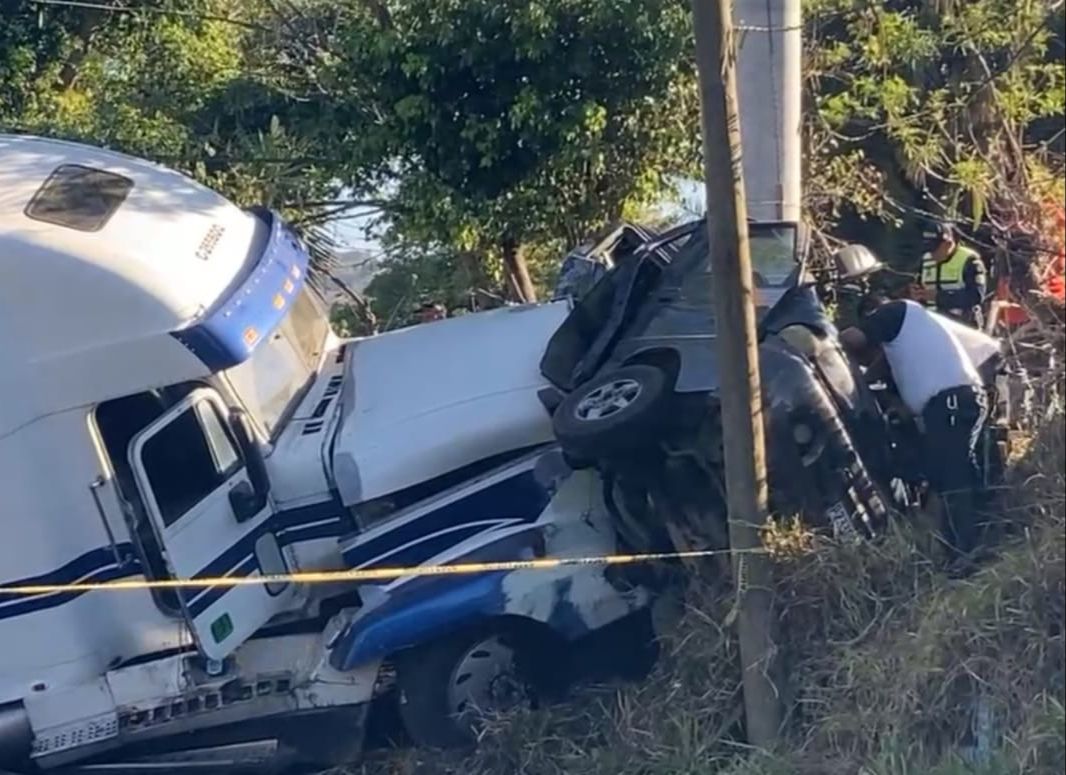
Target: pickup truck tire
x=577, y=463
x=617, y=412
x=443, y=684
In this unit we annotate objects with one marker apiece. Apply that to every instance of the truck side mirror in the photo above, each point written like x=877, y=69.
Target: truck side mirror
x=244, y=501
x=248, y=500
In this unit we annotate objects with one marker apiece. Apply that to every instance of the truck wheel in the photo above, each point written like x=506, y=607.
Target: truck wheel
x=444, y=685
x=615, y=412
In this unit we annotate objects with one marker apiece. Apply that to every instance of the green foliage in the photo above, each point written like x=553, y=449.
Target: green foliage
x=196, y=89
x=517, y=120
x=471, y=123
x=927, y=105
x=442, y=276
x=483, y=121
x=349, y=321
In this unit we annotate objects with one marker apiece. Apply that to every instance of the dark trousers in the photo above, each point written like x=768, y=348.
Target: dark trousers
x=953, y=421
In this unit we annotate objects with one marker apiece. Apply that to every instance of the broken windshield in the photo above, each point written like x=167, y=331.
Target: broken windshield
x=773, y=254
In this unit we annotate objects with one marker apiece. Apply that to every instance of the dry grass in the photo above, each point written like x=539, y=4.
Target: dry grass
x=886, y=659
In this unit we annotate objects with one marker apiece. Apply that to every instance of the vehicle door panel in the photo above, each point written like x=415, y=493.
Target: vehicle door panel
x=186, y=464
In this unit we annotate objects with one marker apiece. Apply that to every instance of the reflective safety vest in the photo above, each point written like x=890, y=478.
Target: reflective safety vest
x=947, y=276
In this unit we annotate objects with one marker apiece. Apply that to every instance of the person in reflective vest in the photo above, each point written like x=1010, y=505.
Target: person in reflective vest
x=954, y=278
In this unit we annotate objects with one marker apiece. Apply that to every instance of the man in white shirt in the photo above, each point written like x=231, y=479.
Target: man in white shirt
x=938, y=381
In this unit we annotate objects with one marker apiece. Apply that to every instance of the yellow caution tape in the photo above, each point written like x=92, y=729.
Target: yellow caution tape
x=373, y=574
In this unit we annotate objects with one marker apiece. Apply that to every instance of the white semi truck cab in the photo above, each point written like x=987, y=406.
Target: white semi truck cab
x=174, y=405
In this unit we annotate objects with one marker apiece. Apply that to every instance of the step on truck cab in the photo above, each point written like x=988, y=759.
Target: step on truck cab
x=174, y=405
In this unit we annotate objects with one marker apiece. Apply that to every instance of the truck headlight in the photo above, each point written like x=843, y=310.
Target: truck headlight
x=802, y=433
x=805, y=432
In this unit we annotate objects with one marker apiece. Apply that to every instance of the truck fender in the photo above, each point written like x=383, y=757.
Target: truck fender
x=414, y=616
x=424, y=608
x=569, y=601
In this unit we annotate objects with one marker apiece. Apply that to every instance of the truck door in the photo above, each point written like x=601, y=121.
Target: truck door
x=195, y=487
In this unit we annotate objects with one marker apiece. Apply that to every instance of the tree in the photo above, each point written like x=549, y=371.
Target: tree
x=500, y=124
x=189, y=84
x=494, y=135
x=442, y=275
x=494, y=129
x=195, y=85
x=942, y=107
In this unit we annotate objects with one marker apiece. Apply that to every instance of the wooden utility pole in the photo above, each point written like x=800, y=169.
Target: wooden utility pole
x=741, y=397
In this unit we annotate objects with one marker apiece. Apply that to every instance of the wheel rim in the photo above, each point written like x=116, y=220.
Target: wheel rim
x=486, y=679
x=607, y=400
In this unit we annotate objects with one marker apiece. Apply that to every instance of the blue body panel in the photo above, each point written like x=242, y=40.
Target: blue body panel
x=499, y=520
x=230, y=331
x=419, y=615
x=423, y=612
x=516, y=499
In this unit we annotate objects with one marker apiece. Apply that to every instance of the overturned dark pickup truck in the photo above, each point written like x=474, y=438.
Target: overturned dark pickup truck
x=636, y=382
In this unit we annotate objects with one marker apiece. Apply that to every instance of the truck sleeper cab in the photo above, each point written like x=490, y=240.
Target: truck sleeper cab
x=173, y=405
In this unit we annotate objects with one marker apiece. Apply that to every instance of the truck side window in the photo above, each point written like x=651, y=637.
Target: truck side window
x=223, y=452
x=188, y=459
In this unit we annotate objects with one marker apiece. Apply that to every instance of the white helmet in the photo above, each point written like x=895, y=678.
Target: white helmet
x=856, y=261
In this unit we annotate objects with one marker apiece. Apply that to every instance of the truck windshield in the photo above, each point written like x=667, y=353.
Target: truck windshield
x=273, y=380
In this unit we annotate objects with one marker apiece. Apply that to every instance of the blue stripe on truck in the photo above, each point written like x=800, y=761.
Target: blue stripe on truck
x=95, y=565
x=291, y=526
x=518, y=498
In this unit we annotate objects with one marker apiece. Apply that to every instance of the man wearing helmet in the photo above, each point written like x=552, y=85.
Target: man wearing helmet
x=954, y=278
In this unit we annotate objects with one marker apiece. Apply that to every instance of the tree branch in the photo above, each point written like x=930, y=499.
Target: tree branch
x=378, y=204
x=991, y=75
x=335, y=213
x=158, y=11
x=381, y=13
x=90, y=22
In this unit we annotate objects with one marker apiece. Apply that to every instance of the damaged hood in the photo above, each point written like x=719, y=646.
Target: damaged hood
x=428, y=400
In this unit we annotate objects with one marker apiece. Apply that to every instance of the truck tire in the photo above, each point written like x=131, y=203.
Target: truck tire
x=617, y=412
x=443, y=684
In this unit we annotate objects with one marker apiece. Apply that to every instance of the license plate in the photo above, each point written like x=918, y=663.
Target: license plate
x=843, y=527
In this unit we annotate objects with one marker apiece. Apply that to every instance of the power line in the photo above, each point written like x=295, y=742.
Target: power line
x=158, y=11
x=766, y=28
